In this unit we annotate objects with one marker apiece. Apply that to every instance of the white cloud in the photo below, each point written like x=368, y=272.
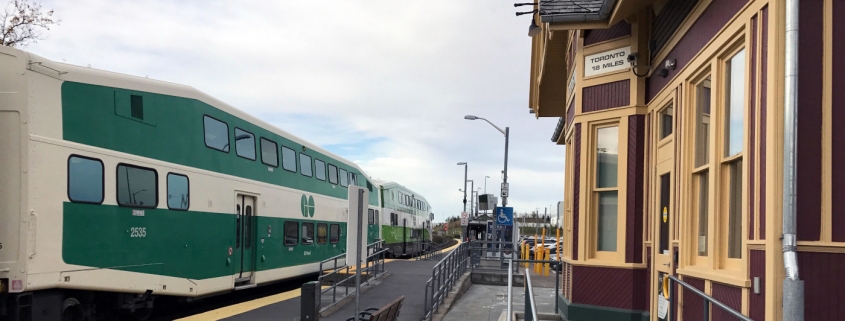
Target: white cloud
x=385, y=83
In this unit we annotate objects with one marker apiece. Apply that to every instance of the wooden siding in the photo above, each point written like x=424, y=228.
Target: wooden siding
x=576, y=194
x=757, y=302
x=570, y=115
x=717, y=14
x=619, y=30
x=838, y=112
x=693, y=304
x=606, y=96
x=609, y=287
x=764, y=61
x=730, y=296
x=810, y=83
x=823, y=275
x=669, y=19
x=634, y=201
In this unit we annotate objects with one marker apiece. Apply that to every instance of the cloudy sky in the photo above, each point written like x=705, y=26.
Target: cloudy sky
x=383, y=83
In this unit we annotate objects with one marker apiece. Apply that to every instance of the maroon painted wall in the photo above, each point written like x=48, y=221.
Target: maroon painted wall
x=619, y=30
x=808, y=202
x=730, y=296
x=693, y=304
x=764, y=81
x=605, y=96
x=576, y=194
x=757, y=302
x=570, y=58
x=838, y=134
x=570, y=114
x=717, y=14
x=634, y=201
x=752, y=100
x=609, y=287
x=823, y=275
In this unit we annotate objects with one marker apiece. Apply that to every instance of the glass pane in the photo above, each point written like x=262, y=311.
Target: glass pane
x=305, y=165
x=608, y=203
x=735, y=105
x=322, y=233
x=177, y=192
x=320, y=169
x=244, y=144
x=216, y=134
x=735, y=210
x=702, y=123
x=288, y=159
x=370, y=214
x=291, y=233
x=85, y=180
x=247, y=227
x=335, y=233
x=307, y=233
x=344, y=178
x=607, y=156
x=353, y=179
x=703, y=207
x=666, y=122
x=375, y=220
x=332, y=174
x=269, y=152
x=136, y=187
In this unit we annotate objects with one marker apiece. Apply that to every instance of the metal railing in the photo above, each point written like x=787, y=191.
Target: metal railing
x=708, y=300
x=373, y=266
x=530, y=304
x=444, y=276
x=434, y=251
x=491, y=251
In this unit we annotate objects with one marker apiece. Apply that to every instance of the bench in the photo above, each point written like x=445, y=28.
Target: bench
x=389, y=312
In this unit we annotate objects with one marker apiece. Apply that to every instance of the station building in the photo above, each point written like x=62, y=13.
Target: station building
x=672, y=116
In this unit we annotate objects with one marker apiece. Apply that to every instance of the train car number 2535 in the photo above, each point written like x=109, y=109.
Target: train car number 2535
x=138, y=232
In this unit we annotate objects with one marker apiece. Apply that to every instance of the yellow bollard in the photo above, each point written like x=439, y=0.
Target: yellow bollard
x=547, y=264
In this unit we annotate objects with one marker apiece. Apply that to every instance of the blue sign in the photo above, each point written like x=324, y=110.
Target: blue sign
x=504, y=216
x=489, y=228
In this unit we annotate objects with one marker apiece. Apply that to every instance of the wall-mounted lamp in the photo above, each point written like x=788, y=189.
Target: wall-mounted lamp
x=533, y=29
x=669, y=64
x=531, y=111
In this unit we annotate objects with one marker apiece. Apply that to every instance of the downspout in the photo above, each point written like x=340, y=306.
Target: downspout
x=793, y=288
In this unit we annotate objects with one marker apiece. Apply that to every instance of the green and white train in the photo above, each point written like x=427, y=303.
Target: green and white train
x=116, y=189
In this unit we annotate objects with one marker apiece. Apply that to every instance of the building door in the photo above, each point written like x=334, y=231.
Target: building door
x=663, y=218
x=244, y=237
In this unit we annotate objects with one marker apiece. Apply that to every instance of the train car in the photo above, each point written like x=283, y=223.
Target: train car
x=115, y=190
x=406, y=221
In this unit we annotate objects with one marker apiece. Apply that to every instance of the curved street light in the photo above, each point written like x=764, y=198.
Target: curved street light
x=505, y=132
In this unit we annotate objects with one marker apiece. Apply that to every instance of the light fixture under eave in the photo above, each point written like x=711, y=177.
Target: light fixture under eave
x=533, y=29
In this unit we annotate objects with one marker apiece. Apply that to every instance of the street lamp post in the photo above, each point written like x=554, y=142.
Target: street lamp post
x=465, y=196
x=472, y=199
x=485, y=184
x=506, y=132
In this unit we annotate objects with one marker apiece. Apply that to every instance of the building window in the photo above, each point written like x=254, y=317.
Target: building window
x=322, y=233
x=137, y=186
x=269, y=152
x=244, y=144
x=666, y=122
x=701, y=162
x=288, y=159
x=334, y=233
x=85, y=180
x=608, y=209
x=702, y=123
x=291, y=233
x=178, y=192
x=332, y=174
x=216, y=134
x=320, y=169
x=607, y=194
x=307, y=233
x=703, y=191
x=305, y=165
x=732, y=161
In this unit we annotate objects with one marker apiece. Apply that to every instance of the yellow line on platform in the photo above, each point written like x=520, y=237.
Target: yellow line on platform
x=239, y=308
x=451, y=247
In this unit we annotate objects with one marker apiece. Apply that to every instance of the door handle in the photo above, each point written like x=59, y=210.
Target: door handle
x=666, y=264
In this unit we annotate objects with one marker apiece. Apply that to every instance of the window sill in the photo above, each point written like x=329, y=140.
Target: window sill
x=728, y=277
x=604, y=263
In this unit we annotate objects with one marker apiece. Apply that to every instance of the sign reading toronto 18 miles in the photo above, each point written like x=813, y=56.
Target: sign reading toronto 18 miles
x=607, y=61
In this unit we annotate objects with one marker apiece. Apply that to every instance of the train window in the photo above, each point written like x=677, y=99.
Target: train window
x=307, y=233
x=244, y=144
x=288, y=159
x=375, y=221
x=322, y=233
x=85, y=180
x=291, y=233
x=370, y=214
x=178, y=192
x=137, y=186
x=216, y=134
x=320, y=169
x=332, y=174
x=353, y=179
x=305, y=165
x=344, y=178
x=334, y=233
x=269, y=154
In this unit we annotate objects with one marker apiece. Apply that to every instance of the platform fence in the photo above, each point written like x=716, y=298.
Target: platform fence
x=373, y=267
x=444, y=276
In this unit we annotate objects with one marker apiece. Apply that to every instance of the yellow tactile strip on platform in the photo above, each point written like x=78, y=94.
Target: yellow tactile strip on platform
x=235, y=309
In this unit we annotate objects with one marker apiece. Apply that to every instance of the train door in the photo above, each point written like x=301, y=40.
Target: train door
x=244, y=237
x=404, y=235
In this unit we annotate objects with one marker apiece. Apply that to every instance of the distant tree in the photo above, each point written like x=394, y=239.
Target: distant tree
x=21, y=23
